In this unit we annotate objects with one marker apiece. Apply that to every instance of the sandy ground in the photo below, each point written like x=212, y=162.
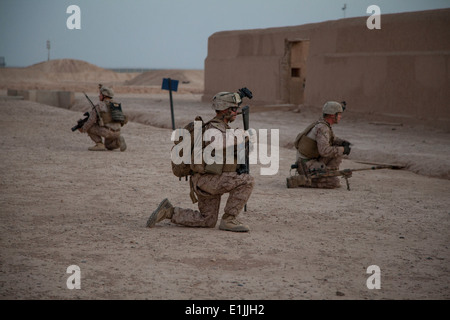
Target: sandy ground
x=62, y=205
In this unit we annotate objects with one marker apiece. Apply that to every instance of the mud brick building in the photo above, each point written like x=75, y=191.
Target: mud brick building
x=402, y=69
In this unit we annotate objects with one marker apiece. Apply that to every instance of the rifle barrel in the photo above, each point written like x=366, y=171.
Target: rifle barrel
x=379, y=167
x=333, y=173
x=87, y=97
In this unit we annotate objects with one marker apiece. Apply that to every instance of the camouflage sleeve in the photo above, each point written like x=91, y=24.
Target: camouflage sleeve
x=326, y=150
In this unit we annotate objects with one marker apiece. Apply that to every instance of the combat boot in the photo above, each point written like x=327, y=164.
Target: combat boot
x=230, y=223
x=164, y=211
x=123, y=145
x=99, y=146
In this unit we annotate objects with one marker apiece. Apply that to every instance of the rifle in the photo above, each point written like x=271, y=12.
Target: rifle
x=346, y=173
x=92, y=104
x=81, y=122
x=93, y=107
x=245, y=168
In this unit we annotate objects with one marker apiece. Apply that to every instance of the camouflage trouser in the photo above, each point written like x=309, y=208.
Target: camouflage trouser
x=328, y=164
x=111, y=137
x=209, y=189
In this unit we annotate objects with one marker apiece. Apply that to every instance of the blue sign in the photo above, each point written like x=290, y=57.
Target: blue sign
x=169, y=84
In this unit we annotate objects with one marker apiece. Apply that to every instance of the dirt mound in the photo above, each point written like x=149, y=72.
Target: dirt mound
x=66, y=66
x=62, y=74
x=154, y=77
x=78, y=75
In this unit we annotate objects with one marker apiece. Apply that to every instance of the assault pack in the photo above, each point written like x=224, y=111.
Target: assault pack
x=185, y=169
x=221, y=101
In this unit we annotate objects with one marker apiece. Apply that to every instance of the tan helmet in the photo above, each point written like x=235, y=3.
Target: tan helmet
x=225, y=100
x=107, y=92
x=332, y=107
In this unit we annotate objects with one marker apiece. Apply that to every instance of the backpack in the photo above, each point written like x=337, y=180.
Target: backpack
x=185, y=169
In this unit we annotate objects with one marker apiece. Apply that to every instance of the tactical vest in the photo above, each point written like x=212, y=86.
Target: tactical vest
x=307, y=146
x=114, y=113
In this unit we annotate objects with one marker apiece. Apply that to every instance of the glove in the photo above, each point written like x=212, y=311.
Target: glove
x=347, y=149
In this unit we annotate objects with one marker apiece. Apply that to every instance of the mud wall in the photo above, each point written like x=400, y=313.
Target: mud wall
x=62, y=99
x=403, y=69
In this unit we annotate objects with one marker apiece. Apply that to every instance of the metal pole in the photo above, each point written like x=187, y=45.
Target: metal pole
x=171, y=104
x=48, y=48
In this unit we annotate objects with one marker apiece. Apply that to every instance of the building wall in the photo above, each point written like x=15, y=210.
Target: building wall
x=403, y=69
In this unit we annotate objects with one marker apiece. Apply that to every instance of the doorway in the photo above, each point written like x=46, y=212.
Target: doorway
x=298, y=55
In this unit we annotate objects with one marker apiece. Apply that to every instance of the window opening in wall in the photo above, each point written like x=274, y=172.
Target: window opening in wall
x=295, y=72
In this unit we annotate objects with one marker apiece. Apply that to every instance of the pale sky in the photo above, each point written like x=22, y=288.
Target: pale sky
x=158, y=34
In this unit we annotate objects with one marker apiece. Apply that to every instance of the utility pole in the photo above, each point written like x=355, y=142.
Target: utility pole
x=344, y=8
x=48, y=48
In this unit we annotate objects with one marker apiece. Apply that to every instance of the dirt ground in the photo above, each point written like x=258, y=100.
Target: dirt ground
x=63, y=205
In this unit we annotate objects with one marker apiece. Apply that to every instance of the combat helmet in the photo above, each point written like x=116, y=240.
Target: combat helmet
x=107, y=92
x=225, y=100
x=332, y=107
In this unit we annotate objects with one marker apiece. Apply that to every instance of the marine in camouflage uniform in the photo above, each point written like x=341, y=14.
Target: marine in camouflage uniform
x=100, y=125
x=319, y=149
x=212, y=181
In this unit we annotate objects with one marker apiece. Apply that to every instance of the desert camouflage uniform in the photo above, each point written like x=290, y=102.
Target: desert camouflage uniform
x=209, y=189
x=330, y=154
x=110, y=131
